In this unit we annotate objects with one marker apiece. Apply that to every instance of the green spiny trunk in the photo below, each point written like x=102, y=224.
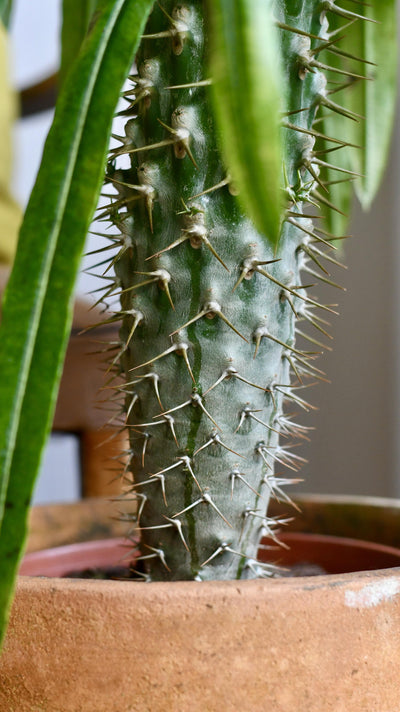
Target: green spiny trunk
x=208, y=309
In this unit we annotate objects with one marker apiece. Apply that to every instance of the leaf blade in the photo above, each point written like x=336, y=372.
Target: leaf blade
x=374, y=98
x=75, y=23
x=380, y=42
x=37, y=307
x=5, y=11
x=246, y=91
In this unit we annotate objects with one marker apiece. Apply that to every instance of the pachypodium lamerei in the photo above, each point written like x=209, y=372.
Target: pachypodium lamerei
x=210, y=311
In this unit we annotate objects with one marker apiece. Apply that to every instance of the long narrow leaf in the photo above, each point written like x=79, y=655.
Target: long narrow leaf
x=378, y=97
x=75, y=23
x=37, y=309
x=374, y=98
x=5, y=11
x=247, y=91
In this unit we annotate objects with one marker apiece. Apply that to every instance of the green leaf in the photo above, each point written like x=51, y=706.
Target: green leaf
x=246, y=90
x=76, y=18
x=37, y=308
x=377, y=98
x=5, y=11
x=374, y=98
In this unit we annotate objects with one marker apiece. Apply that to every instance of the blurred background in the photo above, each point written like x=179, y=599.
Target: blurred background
x=355, y=448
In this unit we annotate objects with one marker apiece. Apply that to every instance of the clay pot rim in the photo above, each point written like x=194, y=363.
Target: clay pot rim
x=162, y=590
x=300, y=582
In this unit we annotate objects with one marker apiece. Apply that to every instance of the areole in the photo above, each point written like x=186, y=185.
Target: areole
x=291, y=644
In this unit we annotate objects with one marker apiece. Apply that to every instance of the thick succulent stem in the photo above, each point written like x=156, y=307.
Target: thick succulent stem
x=209, y=310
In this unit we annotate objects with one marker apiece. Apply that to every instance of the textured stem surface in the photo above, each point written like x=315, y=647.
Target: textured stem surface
x=209, y=310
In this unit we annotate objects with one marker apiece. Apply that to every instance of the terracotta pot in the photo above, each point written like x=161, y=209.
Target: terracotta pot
x=324, y=643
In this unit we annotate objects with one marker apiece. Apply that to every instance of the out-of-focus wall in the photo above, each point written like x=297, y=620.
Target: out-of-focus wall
x=356, y=445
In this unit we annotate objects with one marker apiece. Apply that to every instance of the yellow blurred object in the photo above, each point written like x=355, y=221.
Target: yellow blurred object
x=10, y=212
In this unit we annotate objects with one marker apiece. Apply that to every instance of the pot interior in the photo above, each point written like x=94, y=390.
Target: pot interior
x=300, y=554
